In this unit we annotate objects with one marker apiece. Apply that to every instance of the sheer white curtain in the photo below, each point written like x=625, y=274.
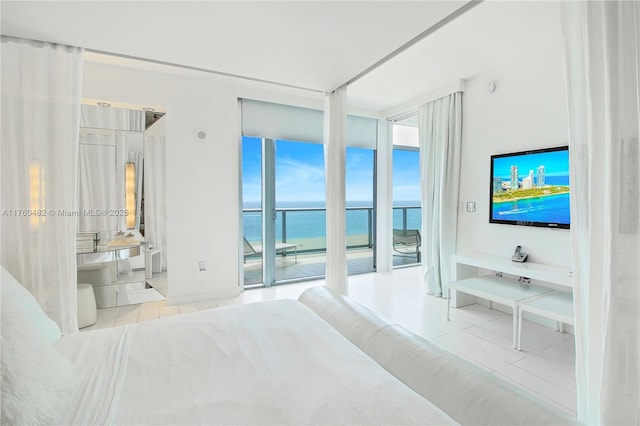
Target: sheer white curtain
x=335, y=119
x=41, y=86
x=97, y=180
x=155, y=209
x=440, y=136
x=602, y=53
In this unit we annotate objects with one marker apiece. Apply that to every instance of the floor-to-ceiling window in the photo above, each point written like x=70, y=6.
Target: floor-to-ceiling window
x=283, y=193
x=252, y=208
x=407, y=215
x=300, y=210
x=360, y=190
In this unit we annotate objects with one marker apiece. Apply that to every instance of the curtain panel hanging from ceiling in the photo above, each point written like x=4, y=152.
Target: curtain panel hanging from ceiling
x=440, y=138
x=97, y=154
x=155, y=204
x=335, y=122
x=602, y=55
x=41, y=85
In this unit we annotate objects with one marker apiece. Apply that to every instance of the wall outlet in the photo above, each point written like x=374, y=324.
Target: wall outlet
x=471, y=206
x=203, y=265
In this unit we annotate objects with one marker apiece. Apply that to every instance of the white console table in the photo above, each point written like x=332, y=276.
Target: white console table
x=467, y=284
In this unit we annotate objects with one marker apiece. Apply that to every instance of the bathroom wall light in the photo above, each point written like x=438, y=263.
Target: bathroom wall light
x=130, y=194
x=104, y=104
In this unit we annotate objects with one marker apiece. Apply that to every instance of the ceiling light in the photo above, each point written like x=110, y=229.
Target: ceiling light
x=148, y=109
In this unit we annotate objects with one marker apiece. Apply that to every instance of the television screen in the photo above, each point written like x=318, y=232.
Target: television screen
x=531, y=188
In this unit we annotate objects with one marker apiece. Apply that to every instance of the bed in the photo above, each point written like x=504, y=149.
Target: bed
x=264, y=363
x=320, y=360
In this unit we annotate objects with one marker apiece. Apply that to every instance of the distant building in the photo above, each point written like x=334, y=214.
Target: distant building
x=497, y=185
x=531, y=178
x=540, y=176
x=514, y=177
x=527, y=183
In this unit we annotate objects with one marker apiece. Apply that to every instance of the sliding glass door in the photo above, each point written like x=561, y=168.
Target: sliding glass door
x=300, y=223
x=407, y=214
x=284, y=210
x=252, y=209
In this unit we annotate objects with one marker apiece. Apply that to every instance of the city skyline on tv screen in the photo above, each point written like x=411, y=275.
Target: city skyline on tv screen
x=531, y=188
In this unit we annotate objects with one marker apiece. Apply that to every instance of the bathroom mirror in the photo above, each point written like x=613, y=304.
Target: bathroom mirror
x=121, y=158
x=110, y=159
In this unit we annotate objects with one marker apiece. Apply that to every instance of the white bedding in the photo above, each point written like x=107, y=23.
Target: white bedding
x=265, y=363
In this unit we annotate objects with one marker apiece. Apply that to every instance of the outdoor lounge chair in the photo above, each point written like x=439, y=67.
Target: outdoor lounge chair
x=407, y=242
x=282, y=248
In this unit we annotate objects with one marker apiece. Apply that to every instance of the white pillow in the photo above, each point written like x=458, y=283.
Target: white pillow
x=37, y=381
x=17, y=298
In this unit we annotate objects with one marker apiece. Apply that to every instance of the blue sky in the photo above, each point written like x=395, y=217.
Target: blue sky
x=406, y=175
x=556, y=163
x=300, y=172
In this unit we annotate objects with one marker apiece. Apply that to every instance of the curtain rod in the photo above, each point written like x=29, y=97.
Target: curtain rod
x=401, y=117
x=171, y=64
x=205, y=70
x=458, y=12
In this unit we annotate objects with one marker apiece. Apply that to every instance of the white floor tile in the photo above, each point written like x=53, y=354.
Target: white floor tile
x=187, y=308
x=227, y=301
x=207, y=304
x=150, y=311
x=553, y=395
x=128, y=314
x=168, y=310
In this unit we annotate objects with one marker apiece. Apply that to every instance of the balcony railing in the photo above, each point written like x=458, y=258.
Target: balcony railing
x=307, y=226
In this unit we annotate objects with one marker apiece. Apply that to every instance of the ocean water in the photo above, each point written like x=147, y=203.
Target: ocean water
x=551, y=209
x=308, y=224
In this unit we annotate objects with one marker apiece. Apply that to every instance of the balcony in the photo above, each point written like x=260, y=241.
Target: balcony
x=307, y=228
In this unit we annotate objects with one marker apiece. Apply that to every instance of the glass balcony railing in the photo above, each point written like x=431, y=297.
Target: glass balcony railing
x=307, y=226
x=407, y=217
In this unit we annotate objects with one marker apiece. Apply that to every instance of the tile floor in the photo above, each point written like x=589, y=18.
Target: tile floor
x=480, y=335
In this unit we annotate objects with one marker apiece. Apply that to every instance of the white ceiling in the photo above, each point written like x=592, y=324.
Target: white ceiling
x=317, y=45
x=491, y=34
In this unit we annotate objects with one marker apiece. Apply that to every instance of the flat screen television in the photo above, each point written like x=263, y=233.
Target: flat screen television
x=531, y=188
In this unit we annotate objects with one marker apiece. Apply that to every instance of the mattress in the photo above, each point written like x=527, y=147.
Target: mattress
x=273, y=362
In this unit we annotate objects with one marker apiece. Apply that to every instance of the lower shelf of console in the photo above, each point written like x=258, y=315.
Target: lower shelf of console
x=497, y=289
x=556, y=305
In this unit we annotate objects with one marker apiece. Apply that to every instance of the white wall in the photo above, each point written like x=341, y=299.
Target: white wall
x=203, y=213
x=526, y=111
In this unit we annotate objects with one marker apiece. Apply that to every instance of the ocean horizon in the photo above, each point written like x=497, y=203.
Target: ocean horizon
x=322, y=204
x=311, y=224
